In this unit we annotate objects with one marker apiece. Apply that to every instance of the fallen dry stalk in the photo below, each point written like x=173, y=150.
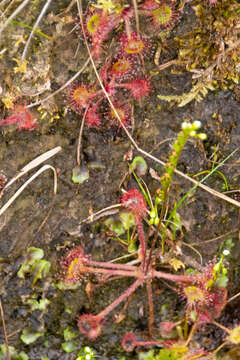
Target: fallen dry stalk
x=31, y=165
x=20, y=190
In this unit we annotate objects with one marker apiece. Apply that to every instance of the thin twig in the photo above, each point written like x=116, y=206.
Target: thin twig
x=14, y=333
x=233, y=297
x=44, y=9
x=169, y=63
x=202, y=243
x=192, y=248
x=102, y=213
x=4, y=2
x=45, y=219
x=7, y=8
x=160, y=143
x=5, y=331
x=145, y=153
x=136, y=16
x=14, y=14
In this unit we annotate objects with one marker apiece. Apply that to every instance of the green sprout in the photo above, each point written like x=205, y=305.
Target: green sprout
x=220, y=278
x=139, y=165
x=154, y=218
x=29, y=337
x=86, y=354
x=13, y=353
x=34, y=264
x=188, y=130
x=70, y=344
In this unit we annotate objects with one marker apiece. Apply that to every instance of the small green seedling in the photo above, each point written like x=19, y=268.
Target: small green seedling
x=70, y=344
x=13, y=353
x=40, y=305
x=79, y=175
x=220, y=278
x=29, y=337
x=35, y=265
x=86, y=354
x=139, y=165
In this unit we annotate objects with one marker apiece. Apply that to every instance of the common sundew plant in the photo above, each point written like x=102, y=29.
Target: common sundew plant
x=203, y=291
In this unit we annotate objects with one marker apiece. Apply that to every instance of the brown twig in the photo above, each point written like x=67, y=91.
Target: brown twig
x=5, y=331
x=136, y=16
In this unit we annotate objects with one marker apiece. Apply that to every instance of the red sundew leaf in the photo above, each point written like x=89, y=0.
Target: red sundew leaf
x=79, y=97
x=149, y=5
x=90, y=325
x=99, y=28
x=133, y=45
x=139, y=88
x=21, y=117
x=135, y=202
x=71, y=264
x=92, y=117
x=123, y=112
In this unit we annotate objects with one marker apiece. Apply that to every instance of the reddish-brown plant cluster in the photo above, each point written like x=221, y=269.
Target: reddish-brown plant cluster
x=123, y=75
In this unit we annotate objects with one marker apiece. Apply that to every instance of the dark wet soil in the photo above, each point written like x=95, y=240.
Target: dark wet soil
x=39, y=219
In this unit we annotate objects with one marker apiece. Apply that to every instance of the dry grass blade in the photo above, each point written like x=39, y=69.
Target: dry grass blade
x=34, y=163
x=202, y=243
x=136, y=16
x=145, y=153
x=3, y=3
x=20, y=190
x=233, y=297
x=14, y=14
x=7, y=8
x=44, y=9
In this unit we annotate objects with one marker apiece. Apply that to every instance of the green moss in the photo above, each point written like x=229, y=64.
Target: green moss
x=211, y=51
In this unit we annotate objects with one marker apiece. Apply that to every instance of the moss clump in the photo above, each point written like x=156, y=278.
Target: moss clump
x=211, y=51
x=213, y=47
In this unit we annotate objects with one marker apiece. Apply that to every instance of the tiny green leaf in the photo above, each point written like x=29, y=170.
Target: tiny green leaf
x=29, y=337
x=79, y=175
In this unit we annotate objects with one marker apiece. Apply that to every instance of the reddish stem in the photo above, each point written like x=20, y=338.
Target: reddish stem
x=121, y=298
x=175, y=278
x=142, y=240
x=85, y=269
x=129, y=342
x=150, y=306
x=111, y=265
